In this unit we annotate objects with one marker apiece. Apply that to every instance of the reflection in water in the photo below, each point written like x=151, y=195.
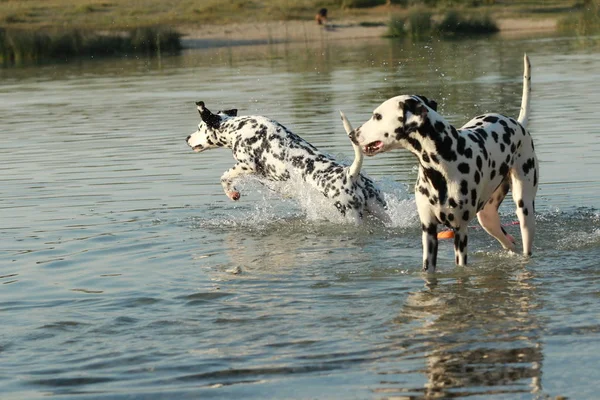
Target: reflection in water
x=478, y=335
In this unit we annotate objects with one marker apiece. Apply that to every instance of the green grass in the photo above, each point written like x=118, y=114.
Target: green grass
x=18, y=47
x=420, y=23
x=416, y=24
x=586, y=22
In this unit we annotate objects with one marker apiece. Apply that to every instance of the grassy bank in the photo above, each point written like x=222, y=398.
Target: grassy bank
x=127, y=14
x=585, y=22
x=32, y=31
x=19, y=47
x=419, y=22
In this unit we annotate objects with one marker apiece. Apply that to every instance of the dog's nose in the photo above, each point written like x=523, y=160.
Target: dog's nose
x=187, y=139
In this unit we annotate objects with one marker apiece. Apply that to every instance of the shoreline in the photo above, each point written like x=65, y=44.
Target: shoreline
x=245, y=34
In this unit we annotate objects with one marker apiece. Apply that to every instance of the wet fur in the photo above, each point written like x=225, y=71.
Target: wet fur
x=264, y=147
x=462, y=172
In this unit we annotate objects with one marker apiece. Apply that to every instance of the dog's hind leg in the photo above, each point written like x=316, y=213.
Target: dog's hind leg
x=489, y=219
x=524, y=188
x=232, y=173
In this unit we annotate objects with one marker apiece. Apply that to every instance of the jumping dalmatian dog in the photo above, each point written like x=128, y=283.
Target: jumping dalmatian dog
x=462, y=172
x=264, y=147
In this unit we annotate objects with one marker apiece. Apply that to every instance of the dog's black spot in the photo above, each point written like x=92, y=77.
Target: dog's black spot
x=479, y=163
x=430, y=229
x=460, y=145
x=466, y=216
x=438, y=182
x=490, y=118
x=434, y=158
x=464, y=168
x=377, y=117
x=530, y=164
x=473, y=197
x=464, y=187
x=452, y=202
x=507, y=134
x=444, y=149
x=525, y=211
x=469, y=153
x=495, y=136
x=416, y=145
x=425, y=157
x=439, y=126
x=460, y=243
x=476, y=177
x=482, y=133
x=450, y=217
x=442, y=217
x=503, y=169
x=399, y=131
x=423, y=191
x=502, y=147
x=520, y=204
x=241, y=124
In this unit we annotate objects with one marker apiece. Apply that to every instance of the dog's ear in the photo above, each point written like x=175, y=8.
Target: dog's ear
x=231, y=113
x=430, y=103
x=211, y=120
x=415, y=107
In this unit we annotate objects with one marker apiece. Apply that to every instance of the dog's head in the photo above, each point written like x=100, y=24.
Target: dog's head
x=209, y=133
x=392, y=122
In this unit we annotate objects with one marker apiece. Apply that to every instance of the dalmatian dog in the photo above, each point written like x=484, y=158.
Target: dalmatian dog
x=462, y=172
x=264, y=147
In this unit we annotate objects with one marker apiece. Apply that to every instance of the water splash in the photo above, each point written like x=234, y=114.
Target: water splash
x=297, y=202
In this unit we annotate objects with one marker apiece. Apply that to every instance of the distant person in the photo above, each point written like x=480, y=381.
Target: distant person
x=321, y=17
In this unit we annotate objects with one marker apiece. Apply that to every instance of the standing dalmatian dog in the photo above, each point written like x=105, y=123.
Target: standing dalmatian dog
x=263, y=147
x=461, y=172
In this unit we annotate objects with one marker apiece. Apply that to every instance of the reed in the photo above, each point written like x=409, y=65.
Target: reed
x=454, y=23
x=583, y=23
x=416, y=24
x=420, y=23
x=19, y=47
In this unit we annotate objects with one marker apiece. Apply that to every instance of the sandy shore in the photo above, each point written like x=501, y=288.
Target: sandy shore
x=308, y=31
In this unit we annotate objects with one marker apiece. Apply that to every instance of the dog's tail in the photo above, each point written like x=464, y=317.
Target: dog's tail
x=354, y=169
x=524, y=114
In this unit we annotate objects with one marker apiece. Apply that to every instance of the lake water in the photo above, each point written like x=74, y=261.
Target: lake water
x=126, y=273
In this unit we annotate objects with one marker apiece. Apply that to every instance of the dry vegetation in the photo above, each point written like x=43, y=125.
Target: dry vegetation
x=127, y=14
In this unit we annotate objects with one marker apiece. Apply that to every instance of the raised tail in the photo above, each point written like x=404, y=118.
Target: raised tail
x=524, y=114
x=354, y=169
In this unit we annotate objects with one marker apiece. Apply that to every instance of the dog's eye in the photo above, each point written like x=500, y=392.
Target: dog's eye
x=377, y=116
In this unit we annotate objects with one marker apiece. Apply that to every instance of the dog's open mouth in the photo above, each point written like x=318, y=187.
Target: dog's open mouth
x=198, y=148
x=373, y=148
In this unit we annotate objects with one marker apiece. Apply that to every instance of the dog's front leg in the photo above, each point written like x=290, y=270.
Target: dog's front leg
x=430, y=245
x=232, y=173
x=460, y=245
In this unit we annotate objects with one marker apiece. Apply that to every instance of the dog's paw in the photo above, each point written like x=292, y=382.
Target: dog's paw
x=235, y=195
